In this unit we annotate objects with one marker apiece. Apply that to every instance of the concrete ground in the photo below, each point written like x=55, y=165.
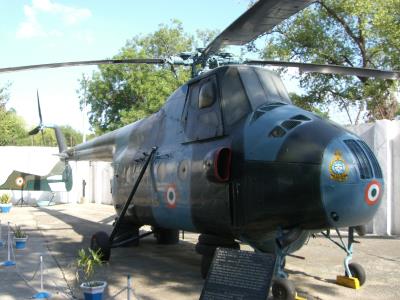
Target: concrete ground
x=171, y=272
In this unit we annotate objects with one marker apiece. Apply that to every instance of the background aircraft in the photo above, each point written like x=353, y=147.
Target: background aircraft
x=229, y=156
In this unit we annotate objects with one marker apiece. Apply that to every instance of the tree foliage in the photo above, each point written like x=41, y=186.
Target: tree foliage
x=12, y=128
x=48, y=138
x=356, y=33
x=120, y=94
x=4, y=96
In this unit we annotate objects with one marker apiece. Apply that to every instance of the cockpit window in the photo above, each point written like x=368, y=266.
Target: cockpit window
x=272, y=85
x=207, y=94
x=235, y=104
x=263, y=86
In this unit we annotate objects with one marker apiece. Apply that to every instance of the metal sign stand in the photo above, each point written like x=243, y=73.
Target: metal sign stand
x=1, y=237
x=42, y=294
x=8, y=262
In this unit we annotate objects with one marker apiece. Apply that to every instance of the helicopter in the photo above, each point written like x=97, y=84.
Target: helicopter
x=230, y=157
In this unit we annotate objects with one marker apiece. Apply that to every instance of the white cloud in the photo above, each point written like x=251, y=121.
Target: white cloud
x=85, y=37
x=32, y=27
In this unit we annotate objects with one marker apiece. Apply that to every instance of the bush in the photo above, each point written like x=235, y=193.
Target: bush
x=5, y=199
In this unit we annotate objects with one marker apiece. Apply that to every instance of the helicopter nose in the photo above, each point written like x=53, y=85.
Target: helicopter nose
x=351, y=182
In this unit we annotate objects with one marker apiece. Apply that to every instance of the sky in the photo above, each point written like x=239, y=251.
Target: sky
x=45, y=31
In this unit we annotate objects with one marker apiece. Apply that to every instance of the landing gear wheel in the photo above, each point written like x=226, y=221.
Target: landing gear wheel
x=205, y=265
x=358, y=272
x=167, y=236
x=100, y=240
x=283, y=289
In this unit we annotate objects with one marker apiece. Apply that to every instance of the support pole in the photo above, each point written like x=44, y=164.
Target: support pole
x=42, y=294
x=129, y=288
x=8, y=262
x=1, y=237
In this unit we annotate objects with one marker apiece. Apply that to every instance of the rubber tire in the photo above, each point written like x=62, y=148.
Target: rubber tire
x=167, y=236
x=205, y=265
x=215, y=240
x=283, y=289
x=209, y=250
x=358, y=272
x=100, y=240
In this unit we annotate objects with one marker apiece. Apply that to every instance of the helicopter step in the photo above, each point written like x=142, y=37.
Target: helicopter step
x=206, y=246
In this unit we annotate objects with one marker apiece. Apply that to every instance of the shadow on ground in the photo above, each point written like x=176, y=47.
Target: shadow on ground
x=149, y=264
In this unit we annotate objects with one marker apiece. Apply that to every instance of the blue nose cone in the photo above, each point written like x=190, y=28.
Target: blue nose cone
x=351, y=182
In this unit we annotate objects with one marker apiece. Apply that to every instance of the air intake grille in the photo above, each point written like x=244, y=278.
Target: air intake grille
x=372, y=158
x=364, y=165
x=289, y=124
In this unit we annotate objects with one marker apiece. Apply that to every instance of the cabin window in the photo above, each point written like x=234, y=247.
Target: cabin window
x=235, y=104
x=207, y=94
x=202, y=115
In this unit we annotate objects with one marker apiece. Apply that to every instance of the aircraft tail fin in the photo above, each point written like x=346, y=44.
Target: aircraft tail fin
x=62, y=145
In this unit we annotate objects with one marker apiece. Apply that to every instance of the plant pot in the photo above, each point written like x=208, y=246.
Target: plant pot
x=93, y=290
x=5, y=207
x=20, y=243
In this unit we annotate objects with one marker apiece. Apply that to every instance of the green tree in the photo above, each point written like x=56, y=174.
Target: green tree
x=120, y=94
x=356, y=33
x=12, y=129
x=48, y=139
x=4, y=96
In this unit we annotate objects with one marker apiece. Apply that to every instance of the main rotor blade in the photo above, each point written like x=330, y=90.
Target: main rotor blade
x=153, y=61
x=258, y=19
x=330, y=69
x=39, y=110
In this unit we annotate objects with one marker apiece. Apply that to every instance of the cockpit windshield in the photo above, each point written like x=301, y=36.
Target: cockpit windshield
x=263, y=86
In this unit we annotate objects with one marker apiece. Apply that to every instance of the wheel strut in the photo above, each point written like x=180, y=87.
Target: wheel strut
x=128, y=202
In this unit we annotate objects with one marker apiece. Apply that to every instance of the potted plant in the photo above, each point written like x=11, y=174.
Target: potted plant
x=20, y=237
x=5, y=203
x=88, y=261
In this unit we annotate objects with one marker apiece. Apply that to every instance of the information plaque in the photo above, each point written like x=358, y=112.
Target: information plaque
x=239, y=275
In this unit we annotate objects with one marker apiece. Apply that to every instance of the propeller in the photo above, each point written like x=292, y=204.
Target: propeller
x=330, y=69
x=40, y=127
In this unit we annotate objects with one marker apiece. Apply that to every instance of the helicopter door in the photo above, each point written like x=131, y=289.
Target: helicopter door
x=202, y=115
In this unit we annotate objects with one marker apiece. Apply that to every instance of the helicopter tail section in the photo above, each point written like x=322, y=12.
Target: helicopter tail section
x=58, y=180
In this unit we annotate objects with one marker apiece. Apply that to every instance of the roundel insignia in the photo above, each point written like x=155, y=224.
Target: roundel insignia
x=372, y=192
x=338, y=169
x=19, y=181
x=171, y=196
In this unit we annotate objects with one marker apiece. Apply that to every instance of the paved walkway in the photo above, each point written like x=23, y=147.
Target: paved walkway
x=171, y=272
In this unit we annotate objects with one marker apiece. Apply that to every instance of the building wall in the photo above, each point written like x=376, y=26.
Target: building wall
x=384, y=139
